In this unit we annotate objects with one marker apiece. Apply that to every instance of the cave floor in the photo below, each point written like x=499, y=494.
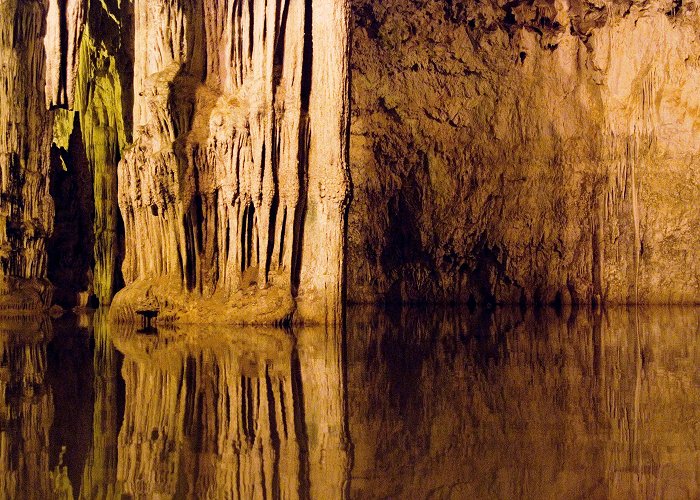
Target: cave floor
x=410, y=403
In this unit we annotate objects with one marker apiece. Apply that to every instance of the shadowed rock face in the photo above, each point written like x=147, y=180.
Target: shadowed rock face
x=524, y=151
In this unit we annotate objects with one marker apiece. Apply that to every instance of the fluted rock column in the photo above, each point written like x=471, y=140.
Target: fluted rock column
x=103, y=98
x=237, y=178
x=26, y=209
x=323, y=256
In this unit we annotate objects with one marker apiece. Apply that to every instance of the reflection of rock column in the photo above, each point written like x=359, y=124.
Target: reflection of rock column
x=321, y=361
x=150, y=439
x=26, y=411
x=209, y=419
x=231, y=416
x=26, y=209
x=100, y=471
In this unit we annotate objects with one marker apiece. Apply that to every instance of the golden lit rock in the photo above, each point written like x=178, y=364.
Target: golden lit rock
x=26, y=209
x=243, y=413
x=525, y=152
x=234, y=191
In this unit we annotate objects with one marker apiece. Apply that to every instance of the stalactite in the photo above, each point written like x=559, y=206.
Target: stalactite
x=234, y=126
x=629, y=143
x=64, y=30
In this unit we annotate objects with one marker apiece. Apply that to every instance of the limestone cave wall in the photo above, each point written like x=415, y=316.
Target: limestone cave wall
x=529, y=151
x=525, y=152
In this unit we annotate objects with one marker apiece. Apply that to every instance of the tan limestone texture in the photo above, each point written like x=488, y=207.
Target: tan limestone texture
x=234, y=192
x=26, y=209
x=535, y=152
x=64, y=30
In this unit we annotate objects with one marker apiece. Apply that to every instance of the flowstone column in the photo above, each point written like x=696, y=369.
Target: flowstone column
x=234, y=191
x=26, y=209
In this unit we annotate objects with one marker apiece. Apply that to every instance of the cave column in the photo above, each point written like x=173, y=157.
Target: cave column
x=321, y=276
x=26, y=209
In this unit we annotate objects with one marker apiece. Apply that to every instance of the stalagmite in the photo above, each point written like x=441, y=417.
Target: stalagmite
x=234, y=191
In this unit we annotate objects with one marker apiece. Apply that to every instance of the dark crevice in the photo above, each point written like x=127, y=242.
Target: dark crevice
x=282, y=230
x=70, y=248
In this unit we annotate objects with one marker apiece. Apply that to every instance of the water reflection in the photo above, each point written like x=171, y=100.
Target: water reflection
x=525, y=405
x=26, y=408
x=406, y=404
x=252, y=413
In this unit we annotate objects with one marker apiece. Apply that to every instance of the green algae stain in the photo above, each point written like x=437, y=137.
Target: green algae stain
x=98, y=103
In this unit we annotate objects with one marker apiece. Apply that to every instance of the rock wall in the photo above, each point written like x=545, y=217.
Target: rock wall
x=533, y=152
x=235, y=188
x=26, y=209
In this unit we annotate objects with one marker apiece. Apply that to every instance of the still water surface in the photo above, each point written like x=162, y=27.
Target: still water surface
x=397, y=404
